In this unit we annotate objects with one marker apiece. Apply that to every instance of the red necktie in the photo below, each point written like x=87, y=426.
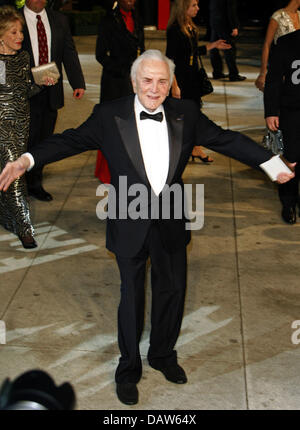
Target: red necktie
x=42, y=39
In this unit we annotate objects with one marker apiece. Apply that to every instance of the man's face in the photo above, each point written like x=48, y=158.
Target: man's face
x=152, y=83
x=36, y=5
x=126, y=5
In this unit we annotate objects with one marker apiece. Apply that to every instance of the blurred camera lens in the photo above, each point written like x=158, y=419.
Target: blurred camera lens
x=36, y=390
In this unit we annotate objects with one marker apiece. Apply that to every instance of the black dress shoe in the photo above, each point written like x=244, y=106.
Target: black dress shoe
x=288, y=214
x=40, y=194
x=218, y=75
x=128, y=393
x=237, y=78
x=174, y=373
x=28, y=241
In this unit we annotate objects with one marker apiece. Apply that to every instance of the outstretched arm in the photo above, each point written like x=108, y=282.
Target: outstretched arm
x=71, y=142
x=241, y=148
x=219, y=44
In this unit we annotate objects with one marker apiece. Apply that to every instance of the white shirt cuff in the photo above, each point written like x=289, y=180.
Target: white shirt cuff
x=274, y=166
x=31, y=160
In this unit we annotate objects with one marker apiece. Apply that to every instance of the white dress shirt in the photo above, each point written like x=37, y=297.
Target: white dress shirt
x=31, y=21
x=154, y=141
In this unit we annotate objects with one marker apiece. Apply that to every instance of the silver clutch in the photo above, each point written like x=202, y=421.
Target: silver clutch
x=49, y=70
x=274, y=142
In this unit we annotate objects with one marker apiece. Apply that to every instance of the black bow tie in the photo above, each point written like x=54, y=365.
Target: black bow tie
x=156, y=116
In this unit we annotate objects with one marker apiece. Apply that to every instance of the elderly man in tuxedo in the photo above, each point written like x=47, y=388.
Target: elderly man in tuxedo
x=42, y=22
x=147, y=139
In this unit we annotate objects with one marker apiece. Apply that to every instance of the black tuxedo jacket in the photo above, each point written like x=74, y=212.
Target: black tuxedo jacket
x=63, y=52
x=112, y=128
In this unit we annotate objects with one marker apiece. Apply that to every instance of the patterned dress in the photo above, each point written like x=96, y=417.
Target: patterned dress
x=285, y=23
x=15, y=86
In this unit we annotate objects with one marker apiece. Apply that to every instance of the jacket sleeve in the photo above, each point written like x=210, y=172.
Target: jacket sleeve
x=274, y=82
x=179, y=50
x=178, y=46
x=108, y=53
x=230, y=143
x=232, y=14
x=87, y=136
x=70, y=57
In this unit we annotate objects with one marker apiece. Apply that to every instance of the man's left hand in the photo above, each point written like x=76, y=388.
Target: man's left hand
x=78, y=93
x=284, y=177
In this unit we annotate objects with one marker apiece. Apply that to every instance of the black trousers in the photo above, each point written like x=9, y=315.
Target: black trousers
x=168, y=282
x=42, y=124
x=229, y=54
x=290, y=126
x=289, y=192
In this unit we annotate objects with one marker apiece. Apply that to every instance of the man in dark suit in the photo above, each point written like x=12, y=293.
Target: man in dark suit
x=44, y=106
x=224, y=25
x=120, y=40
x=147, y=140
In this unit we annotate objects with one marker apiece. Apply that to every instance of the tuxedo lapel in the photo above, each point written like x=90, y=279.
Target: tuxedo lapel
x=54, y=32
x=128, y=130
x=175, y=132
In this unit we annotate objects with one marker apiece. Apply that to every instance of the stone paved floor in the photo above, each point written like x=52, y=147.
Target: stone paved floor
x=59, y=302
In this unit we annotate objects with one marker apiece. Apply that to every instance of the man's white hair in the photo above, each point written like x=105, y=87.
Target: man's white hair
x=156, y=55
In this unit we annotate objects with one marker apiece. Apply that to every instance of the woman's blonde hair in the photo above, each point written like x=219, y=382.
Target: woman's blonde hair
x=178, y=13
x=8, y=16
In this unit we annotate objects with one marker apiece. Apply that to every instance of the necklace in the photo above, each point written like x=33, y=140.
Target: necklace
x=3, y=50
x=294, y=18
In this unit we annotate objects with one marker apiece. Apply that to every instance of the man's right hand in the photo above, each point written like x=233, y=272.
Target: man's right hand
x=13, y=171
